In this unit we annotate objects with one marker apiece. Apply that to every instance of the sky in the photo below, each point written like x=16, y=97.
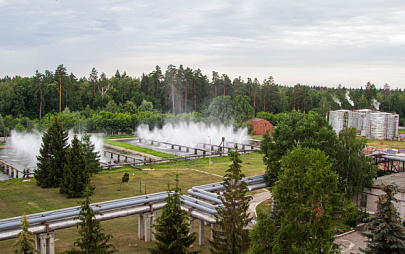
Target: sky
x=311, y=42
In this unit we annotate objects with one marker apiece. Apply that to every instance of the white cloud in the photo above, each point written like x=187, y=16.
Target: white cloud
x=311, y=42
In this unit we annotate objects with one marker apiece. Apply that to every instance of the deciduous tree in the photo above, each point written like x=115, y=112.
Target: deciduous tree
x=296, y=128
x=307, y=196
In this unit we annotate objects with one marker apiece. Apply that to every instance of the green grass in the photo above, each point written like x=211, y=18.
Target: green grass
x=258, y=137
x=18, y=198
x=386, y=143
x=139, y=149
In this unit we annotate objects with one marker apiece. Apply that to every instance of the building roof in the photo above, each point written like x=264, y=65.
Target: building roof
x=398, y=178
x=256, y=120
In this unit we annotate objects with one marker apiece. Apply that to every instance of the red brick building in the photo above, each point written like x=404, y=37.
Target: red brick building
x=260, y=126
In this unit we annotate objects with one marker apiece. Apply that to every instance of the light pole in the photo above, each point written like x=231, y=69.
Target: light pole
x=210, y=163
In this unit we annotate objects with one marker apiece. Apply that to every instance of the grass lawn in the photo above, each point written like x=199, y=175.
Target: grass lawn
x=18, y=198
x=386, y=143
x=258, y=137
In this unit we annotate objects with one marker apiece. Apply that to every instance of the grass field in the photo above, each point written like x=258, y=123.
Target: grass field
x=18, y=198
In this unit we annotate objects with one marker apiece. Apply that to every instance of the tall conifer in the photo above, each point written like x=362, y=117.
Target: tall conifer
x=92, y=239
x=387, y=234
x=75, y=176
x=231, y=235
x=91, y=156
x=172, y=229
x=25, y=240
x=52, y=156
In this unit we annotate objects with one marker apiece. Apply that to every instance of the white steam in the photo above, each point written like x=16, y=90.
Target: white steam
x=27, y=145
x=375, y=104
x=336, y=100
x=348, y=98
x=190, y=134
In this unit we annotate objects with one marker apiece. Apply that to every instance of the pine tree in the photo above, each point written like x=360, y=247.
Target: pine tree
x=25, y=243
x=92, y=157
x=75, y=176
x=172, y=229
x=52, y=158
x=92, y=239
x=232, y=218
x=387, y=234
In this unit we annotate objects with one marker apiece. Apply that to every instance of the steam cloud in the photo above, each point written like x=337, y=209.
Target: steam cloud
x=348, y=98
x=190, y=134
x=375, y=104
x=336, y=100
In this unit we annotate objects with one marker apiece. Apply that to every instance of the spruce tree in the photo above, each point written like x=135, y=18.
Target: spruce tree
x=52, y=158
x=75, y=176
x=231, y=235
x=25, y=243
x=387, y=234
x=172, y=229
x=92, y=239
x=92, y=157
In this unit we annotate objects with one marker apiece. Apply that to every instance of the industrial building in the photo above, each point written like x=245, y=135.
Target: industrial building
x=369, y=123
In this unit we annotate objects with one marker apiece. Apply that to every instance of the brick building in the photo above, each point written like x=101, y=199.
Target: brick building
x=260, y=126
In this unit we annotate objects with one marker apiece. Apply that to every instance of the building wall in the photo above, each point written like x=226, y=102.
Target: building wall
x=261, y=127
x=368, y=200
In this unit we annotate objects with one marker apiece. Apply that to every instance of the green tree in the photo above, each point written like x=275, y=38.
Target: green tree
x=231, y=236
x=146, y=106
x=307, y=196
x=355, y=169
x=387, y=235
x=243, y=109
x=220, y=110
x=91, y=156
x=263, y=233
x=125, y=179
x=172, y=230
x=25, y=243
x=296, y=128
x=52, y=158
x=130, y=107
x=75, y=175
x=3, y=129
x=92, y=239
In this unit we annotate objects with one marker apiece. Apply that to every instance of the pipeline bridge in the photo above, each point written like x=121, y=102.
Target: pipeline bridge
x=202, y=204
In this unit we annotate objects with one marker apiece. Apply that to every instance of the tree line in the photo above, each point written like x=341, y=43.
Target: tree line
x=177, y=90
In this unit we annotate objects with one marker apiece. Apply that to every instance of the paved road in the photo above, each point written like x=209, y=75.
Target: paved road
x=257, y=199
x=352, y=242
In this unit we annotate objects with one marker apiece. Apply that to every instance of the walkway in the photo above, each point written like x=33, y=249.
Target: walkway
x=352, y=242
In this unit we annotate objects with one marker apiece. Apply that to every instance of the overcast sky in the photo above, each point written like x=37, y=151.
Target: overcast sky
x=311, y=42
